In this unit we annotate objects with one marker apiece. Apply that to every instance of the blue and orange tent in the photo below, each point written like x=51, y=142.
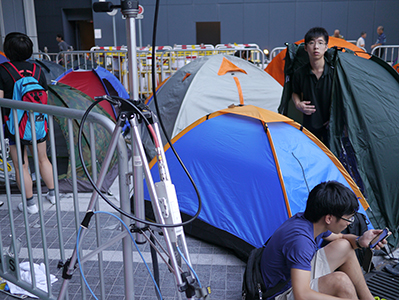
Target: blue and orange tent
x=254, y=169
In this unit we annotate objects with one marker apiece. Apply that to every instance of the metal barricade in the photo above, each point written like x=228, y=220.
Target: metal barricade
x=168, y=61
x=389, y=53
x=41, y=56
x=237, y=46
x=275, y=52
x=194, y=47
x=179, y=59
x=115, y=61
x=252, y=52
x=49, y=236
x=144, y=65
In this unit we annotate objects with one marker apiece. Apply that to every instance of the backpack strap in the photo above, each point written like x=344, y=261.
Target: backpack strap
x=36, y=71
x=12, y=71
x=15, y=73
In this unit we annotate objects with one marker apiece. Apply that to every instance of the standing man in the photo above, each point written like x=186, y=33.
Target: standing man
x=62, y=45
x=381, y=40
x=291, y=257
x=361, y=42
x=312, y=85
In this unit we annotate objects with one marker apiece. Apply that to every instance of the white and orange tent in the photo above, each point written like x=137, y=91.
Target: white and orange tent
x=211, y=83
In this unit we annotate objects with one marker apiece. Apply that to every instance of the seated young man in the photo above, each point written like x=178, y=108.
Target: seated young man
x=332, y=272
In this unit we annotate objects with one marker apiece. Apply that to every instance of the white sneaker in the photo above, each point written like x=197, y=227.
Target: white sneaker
x=31, y=209
x=50, y=198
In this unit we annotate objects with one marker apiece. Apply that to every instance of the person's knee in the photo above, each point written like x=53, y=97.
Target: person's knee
x=338, y=284
x=341, y=245
x=344, y=285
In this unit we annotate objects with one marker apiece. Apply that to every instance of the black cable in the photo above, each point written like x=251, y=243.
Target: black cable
x=94, y=184
x=159, y=114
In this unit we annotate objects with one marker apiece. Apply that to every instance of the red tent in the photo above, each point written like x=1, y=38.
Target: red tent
x=89, y=83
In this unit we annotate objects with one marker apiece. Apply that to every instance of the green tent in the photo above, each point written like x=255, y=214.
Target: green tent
x=66, y=96
x=364, y=132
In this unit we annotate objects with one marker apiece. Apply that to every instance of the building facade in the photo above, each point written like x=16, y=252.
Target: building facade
x=268, y=23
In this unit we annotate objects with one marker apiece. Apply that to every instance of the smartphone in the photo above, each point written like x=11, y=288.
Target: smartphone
x=379, y=238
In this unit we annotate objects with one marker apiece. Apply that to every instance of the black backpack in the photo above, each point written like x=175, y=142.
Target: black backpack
x=253, y=287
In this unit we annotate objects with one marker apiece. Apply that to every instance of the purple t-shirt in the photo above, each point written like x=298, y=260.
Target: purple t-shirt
x=291, y=246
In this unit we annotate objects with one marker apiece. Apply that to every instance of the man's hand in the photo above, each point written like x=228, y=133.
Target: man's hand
x=303, y=106
x=368, y=236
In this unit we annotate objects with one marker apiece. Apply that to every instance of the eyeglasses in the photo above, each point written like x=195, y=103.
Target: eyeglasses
x=319, y=43
x=350, y=220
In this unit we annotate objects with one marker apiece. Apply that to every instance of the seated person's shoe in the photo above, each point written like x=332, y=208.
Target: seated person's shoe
x=31, y=209
x=50, y=198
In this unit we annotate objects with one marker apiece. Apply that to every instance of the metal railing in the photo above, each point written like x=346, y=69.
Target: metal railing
x=168, y=61
x=41, y=56
x=389, y=53
x=41, y=238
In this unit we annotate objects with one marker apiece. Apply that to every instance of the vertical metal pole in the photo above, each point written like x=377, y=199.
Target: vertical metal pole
x=125, y=206
x=140, y=35
x=131, y=14
x=132, y=61
x=114, y=30
x=138, y=179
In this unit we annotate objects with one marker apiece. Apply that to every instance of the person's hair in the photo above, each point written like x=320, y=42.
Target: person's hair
x=59, y=35
x=316, y=32
x=330, y=198
x=363, y=32
x=18, y=46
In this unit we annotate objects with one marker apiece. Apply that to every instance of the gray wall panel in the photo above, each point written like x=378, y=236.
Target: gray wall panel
x=356, y=17
x=335, y=16
x=385, y=15
x=256, y=28
x=269, y=23
x=282, y=24
x=232, y=23
x=13, y=16
x=181, y=26
x=308, y=14
x=206, y=13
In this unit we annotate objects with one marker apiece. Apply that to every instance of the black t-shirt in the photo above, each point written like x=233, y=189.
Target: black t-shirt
x=318, y=91
x=7, y=83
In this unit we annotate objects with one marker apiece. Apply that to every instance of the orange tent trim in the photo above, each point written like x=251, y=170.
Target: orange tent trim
x=228, y=66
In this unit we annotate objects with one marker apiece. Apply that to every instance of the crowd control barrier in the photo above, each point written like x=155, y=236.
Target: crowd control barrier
x=47, y=239
x=168, y=61
x=275, y=52
x=389, y=53
x=41, y=56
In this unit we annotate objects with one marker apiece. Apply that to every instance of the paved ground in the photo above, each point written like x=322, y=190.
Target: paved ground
x=216, y=267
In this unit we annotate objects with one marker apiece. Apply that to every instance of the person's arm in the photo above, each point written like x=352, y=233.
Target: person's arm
x=375, y=45
x=300, y=280
x=363, y=241
x=1, y=94
x=303, y=106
